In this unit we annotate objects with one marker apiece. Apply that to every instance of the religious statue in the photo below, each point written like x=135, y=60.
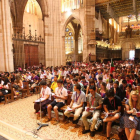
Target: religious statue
x=128, y=32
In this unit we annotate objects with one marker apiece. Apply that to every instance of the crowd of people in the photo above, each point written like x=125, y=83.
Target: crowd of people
x=94, y=88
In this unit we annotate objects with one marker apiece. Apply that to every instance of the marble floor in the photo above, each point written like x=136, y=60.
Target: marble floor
x=18, y=121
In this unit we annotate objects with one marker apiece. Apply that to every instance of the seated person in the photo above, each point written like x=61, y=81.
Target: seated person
x=4, y=87
x=42, y=75
x=84, y=82
x=54, y=84
x=75, y=81
x=110, y=84
x=68, y=86
x=78, y=98
x=45, y=98
x=129, y=81
x=128, y=90
x=110, y=78
x=103, y=90
x=60, y=96
x=117, y=90
x=18, y=85
x=100, y=80
x=91, y=83
x=112, y=106
x=94, y=103
x=28, y=77
x=123, y=89
x=34, y=80
x=131, y=119
x=138, y=88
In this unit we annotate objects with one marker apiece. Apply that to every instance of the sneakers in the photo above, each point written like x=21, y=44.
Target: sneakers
x=99, y=122
x=56, y=122
x=85, y=131
x=92, y=133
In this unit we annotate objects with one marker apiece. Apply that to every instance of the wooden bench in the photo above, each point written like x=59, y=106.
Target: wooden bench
x=65, y=107
x=9, y=97
x=25, y=90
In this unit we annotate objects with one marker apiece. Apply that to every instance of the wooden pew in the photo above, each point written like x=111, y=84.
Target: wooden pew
x=65, y=107
x=9, y=97
x=25, y=90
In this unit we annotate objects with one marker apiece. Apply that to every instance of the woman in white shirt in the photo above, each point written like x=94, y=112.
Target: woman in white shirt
x=45, y=98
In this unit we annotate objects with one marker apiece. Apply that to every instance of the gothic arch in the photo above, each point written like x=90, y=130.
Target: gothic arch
x=70, y=18
x=17, y=11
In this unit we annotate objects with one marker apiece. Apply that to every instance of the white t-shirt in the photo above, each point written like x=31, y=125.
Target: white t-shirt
x=45, y=92
x=62, y=92
x=42, y=76
x=28, y=77
x=49, y=76
x=2, y=82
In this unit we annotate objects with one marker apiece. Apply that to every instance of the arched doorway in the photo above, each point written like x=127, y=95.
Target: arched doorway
x=127, y=47
x=32, y=20
x=73, y=41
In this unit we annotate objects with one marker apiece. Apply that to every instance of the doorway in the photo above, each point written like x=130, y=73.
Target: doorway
x=132, y=54
x=31, y=55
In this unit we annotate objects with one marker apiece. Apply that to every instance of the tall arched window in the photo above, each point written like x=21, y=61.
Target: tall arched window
x=67, y=5
x=69, y=40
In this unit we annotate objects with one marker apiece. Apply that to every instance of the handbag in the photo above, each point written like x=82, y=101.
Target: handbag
x=15, y=86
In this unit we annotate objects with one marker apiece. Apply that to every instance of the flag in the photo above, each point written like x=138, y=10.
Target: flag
x=112, y=66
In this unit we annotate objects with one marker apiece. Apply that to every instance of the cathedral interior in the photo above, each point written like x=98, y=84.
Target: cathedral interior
x=54, y=32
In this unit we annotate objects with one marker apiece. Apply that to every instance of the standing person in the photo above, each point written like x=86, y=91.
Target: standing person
x=60, y=96
x=78, y=99
x=131, y=118
x=112, y=106
x=45, y=97
x=94, y=104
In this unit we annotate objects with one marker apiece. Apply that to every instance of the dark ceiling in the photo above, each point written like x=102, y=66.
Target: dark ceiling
x=120, y=8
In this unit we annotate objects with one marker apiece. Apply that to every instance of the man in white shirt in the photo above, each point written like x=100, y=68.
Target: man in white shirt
x=28, y=77
x=60, y=96
x=45, y=98
x=48, y=75
x=76, y=105
x=42, y=76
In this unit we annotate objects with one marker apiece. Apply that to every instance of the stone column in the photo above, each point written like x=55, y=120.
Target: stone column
x=6, y=49
x=63, y=51
x=90, y=39
x=77, y=29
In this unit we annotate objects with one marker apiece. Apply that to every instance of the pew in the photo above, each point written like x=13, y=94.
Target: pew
x=68, y=101
x=9, y=97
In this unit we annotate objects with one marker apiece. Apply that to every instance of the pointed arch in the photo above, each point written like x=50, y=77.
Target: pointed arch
x=70, y=18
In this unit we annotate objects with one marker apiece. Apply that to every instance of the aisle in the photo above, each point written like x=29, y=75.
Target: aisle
x=17, y=118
